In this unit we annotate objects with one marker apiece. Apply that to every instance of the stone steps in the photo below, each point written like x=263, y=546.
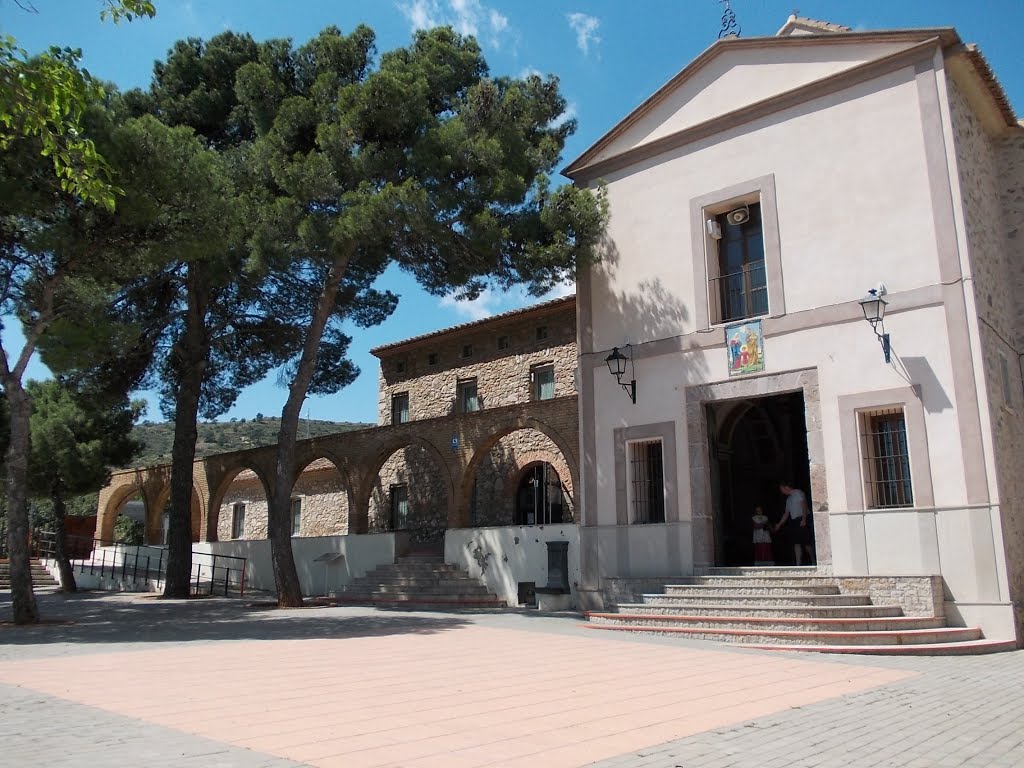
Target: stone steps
x=417, y=583
x=788, y=609
x=40, y=576
x=772, y=623
x=781, y=611
x=756, y=598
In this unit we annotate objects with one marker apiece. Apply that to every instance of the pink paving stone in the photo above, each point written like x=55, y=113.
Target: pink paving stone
x=466, y=697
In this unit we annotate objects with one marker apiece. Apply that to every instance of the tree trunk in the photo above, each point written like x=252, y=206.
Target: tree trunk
x=23, y=600
x=191, y=350
x=289, y=591
x=67, y=574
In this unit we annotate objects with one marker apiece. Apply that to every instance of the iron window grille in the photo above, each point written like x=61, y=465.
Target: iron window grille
x=238, y=520
x=886, y=458
x=400, y=408
x=399, y=507
x=543, y=377
x=468, y=400
x=296, y=516
x=503, y=343
x=741, y=286
x=647, y=481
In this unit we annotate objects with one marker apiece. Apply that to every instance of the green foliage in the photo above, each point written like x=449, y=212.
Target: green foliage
x=128, y=531
x=76, y=439
x=127, y=10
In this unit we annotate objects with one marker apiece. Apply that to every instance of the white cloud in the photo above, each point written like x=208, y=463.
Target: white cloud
x=585, y=28
x=467, y=17
x=491, y=302
x=569, y=114
x=526, y=72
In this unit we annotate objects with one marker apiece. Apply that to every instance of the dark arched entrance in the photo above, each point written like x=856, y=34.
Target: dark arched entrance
x=540, y=496
x=755, y=444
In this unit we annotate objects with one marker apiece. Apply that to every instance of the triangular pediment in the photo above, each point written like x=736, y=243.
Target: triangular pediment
x=736, y=72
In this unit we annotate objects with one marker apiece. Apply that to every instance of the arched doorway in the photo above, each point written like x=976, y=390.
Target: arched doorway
x=540, y=497
x=755, y=444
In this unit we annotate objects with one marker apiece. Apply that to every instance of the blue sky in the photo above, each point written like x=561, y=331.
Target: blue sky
x=609, y=55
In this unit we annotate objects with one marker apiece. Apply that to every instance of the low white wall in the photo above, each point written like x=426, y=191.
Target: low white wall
x=360, y=553
x=504, y=556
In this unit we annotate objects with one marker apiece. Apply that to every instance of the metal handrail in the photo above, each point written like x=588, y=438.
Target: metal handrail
x=209, y=571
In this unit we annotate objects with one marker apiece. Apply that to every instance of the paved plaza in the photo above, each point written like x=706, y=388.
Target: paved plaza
x=129, y=680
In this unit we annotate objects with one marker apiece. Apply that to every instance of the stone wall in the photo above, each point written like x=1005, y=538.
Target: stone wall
x=991, y=176
x=245, y=489
x=500, y=472
x=324, y=503
x=920, y=596
x=503, y=376
x=418, y=469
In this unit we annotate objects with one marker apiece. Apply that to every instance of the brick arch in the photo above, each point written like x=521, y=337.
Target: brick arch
x=154, y=514
x=496, y=433
x=339, y=466
x=530, y=459
x=359, y=513
x=115, y=500
x=221, y=489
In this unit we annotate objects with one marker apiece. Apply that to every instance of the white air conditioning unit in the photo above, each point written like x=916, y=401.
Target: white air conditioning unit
x=714, y=228
x=738, y=216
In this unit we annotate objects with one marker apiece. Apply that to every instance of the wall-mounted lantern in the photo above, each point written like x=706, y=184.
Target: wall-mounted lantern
x=874, y=312
x=617, y=367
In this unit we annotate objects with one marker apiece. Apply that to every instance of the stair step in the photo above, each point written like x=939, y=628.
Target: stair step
x=965, y=648
x=414, y=602
x=762, y=570
x=711, y=597
x=809, y=638
x=770, y=623
x=743, y=589
x=760, y=580
x=370, y=590
x=783, y=611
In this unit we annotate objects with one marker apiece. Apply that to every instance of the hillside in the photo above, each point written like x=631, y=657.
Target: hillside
x=223, y=437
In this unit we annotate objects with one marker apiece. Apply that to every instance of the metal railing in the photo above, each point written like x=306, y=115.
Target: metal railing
x=741, y=294
x=211, y=573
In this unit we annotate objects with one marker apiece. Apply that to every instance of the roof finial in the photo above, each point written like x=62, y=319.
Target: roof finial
x=729, y=26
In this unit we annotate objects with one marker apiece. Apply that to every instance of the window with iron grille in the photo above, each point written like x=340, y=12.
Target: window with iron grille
x=740, y=287
x=296, y=516
x=468, y=400
x=399, y=507
x=542, y=332
x=543, y=378
x=467, y=350
x=504, y=342
x=238, y=520
x=886, y=458
x=646, y=481
x=400, y=408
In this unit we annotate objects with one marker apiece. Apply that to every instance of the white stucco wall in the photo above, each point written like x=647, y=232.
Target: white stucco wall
x=503, y=557
x=739, y=78
x=855, y=185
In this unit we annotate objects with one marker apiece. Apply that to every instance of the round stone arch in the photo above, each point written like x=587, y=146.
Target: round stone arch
x=567, y=462
x=359, y=514
x=154, y=515
x=327, y=505
x=221, y=490
x=115, y=500
x=531, y=459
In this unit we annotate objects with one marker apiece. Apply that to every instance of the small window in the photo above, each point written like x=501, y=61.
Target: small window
x=238, y=520
x=467, y=350
x=165, y=526
x=399, y=507
x=646, y=481
x=504, y=342
x=542, y=332
x=543, y=380
x=400, y=366
x=886, y=459
x=432, y=358
x=296, y=516
x=739, y=287
x=468, y=400
x=400, y=408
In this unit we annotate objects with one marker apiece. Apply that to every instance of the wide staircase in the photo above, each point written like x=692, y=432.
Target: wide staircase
x=40, y=576
x=789, y=609
x=422, y=582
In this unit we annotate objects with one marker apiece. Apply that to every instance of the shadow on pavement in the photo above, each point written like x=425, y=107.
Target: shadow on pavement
x=98, y=617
